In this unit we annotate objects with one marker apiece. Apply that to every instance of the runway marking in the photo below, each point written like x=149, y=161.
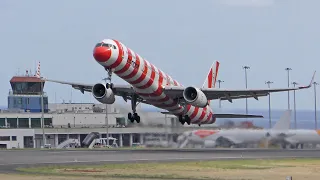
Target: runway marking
x=171, y=159
x=59, y=152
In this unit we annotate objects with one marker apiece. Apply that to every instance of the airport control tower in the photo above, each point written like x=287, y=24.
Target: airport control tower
x=26, y=93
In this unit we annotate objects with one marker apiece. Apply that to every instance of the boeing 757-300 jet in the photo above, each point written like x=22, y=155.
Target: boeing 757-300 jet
x=150, y=85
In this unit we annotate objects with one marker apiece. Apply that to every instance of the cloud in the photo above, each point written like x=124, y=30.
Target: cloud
x=253, y=3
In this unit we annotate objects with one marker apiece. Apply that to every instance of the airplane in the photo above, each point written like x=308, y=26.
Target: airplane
x=299, y=137
x=150, y=85
x=235, y=137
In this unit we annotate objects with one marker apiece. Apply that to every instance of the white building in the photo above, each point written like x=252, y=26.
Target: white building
x=16, y=138
x=76, y=121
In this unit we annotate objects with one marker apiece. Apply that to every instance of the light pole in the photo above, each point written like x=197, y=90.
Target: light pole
x=219, y=82
x=288, y=70
x=268, y=83
x=294, y=105
x=245, y=74
x=315, y=105
x=106, y=118
x=167, y=137
x=42, y=114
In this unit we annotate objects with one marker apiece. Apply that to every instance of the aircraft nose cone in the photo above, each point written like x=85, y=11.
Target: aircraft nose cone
x=102, y=53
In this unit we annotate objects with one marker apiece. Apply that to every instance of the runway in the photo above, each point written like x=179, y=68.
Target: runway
x=11, y=159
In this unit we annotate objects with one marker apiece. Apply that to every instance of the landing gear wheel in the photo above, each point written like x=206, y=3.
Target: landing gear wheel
x=133, y=117
x=187, y=119
x=130, y=117
x=180, y=118
x=137, y=119
x=109, y=85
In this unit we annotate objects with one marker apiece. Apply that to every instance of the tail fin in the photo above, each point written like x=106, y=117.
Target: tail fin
x=284, y=122
x=211, y=79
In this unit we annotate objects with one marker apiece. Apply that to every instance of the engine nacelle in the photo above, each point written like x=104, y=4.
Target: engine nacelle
x=195, y=97
x=102, y=94
x=210, y=144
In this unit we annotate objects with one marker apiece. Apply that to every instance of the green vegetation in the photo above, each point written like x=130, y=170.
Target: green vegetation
x=173, y=170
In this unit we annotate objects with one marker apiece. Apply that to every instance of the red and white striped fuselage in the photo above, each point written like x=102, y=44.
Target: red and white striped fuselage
x=147, y=80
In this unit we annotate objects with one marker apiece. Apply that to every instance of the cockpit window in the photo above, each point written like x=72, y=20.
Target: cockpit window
x=98, y=45
x=106, y=45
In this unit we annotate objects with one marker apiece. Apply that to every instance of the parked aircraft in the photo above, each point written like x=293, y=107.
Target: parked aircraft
x=235, y=137
x=150, y=85
x=299, y=138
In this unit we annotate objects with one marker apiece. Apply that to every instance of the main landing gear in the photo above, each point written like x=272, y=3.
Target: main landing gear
x=134, y=116
x=131, y=116
x=184, y=119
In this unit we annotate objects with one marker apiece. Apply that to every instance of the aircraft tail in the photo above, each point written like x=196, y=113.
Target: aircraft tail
x=284, y=122
x=211, y=79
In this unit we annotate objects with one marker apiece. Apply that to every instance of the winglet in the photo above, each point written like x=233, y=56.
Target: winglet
x=311, y=82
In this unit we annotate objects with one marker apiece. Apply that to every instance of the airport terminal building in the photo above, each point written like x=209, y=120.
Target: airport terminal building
x=21, y=125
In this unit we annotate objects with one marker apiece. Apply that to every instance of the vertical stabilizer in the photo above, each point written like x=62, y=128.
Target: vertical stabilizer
x=284, y=122
x=211, y=79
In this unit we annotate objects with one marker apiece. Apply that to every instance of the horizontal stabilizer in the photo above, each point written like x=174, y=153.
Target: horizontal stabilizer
x=236, y=116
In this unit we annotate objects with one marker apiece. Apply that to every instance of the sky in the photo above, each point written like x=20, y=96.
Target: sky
x=181, y=37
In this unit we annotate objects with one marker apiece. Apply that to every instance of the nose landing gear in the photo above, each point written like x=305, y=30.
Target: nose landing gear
x=131, y=116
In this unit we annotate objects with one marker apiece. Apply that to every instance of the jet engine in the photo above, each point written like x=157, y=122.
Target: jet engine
x=195, y=97
x=209, y=144
x=102, y=94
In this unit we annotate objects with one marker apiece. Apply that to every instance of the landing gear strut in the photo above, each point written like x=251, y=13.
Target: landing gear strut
x=134, y=116
x=131, y=116
x=185, y=118
x=109, y=85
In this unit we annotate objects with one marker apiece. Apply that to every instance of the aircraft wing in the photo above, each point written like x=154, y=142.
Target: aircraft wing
x=226, y=94
x=125, y=91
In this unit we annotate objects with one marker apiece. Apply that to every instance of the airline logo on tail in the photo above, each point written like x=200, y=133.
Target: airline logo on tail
x=211, y=78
